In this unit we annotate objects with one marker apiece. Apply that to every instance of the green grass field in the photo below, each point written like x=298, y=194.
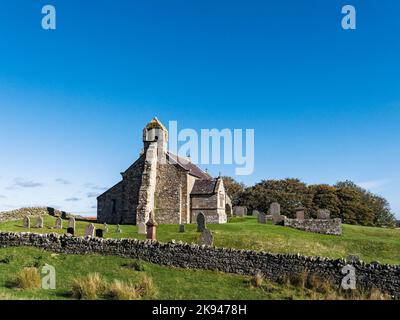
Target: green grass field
x=369, y=243
x=170, y=283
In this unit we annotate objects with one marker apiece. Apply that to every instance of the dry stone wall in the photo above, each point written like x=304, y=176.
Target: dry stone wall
x=246, y=262
x=324, y=226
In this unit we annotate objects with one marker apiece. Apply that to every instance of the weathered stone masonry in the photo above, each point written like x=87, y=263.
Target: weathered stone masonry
x=246, y=262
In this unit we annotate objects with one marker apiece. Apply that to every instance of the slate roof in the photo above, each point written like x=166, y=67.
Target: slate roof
x=204, y=187
x=188, y=166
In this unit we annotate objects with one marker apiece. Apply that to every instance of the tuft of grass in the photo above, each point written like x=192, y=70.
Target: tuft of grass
x=119, y=290
x=258, y=279
x=90, y=287
x=146, y=286
x=93, y=287
x=28, y=278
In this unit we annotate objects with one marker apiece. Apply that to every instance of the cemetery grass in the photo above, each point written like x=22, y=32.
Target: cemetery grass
x=170, y=283
x=369, y=243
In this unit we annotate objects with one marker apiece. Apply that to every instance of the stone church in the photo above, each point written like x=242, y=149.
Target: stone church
x=160, y=184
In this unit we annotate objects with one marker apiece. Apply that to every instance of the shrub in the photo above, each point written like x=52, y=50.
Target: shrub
x=90, y=287
x=136, y=265
x=28, y=278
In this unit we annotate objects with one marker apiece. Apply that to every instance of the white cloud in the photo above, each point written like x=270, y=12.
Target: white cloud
x=372, y=184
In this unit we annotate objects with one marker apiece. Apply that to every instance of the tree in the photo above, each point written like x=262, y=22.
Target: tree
x=290, y=193
x=234, y=189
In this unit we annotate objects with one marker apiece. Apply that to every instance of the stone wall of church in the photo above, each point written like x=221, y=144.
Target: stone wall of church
x=110, y=205
x=132, y=180
x=171, y=192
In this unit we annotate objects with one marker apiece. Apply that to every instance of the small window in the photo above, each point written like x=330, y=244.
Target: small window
x=114, y=205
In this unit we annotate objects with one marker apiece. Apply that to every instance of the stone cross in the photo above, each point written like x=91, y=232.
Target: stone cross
x=118, y=229
x=142, y=228
x=275, y=209
x=151, y=229
x=181, y=228
x=59, y=223
x=105, y=227
x=71, y=222
x=323, y=214
x=90, y=230
x=206, y=238
x=262, y=218
x=27, y=222
x=39, y=222
x=201, y=222
x=300, y=214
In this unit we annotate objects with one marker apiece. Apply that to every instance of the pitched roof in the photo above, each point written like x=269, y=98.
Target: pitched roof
x=188, y=166
x=204, y=186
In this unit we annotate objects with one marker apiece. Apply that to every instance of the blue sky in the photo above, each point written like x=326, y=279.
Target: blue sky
x=324, y=102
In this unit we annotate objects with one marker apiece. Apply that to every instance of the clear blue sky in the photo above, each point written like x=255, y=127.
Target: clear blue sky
x=324, y=102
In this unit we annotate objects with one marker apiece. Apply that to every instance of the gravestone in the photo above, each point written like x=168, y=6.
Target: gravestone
x=39, y=222
x=59, y=223
x=71, y=230
x=275, y=209
x=239, y=211
x=151, y=229
x=262, y=218
x=300, y=214
x=323, y=214
x=89, y=230
x=255, y=213
x=142, y=228
x=118, y=229
x=27, y=222
x=201, y=222
x=71, y=222
x=105, y=227
x=99, y=233
x=182, y=228
x=206, y=238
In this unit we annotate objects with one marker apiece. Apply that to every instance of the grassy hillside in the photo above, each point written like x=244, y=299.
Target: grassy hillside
x=169, y=283
x=371, y=244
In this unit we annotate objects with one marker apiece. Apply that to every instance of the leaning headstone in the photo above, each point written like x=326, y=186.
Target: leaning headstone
x=274, y=209
x=324, y=214
x=201, y=222
x=99, y=233
x=27, y=222
x=206, y=238
x=90, y=229
x=71, y=231
x=262, y=218
x=255, y=213
x=39, y=222
x=71, y=222
x=142, y=228
x=181, y=228
x=118, y=229
x=300, y=214
x=59, y=223
x=239, y=211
